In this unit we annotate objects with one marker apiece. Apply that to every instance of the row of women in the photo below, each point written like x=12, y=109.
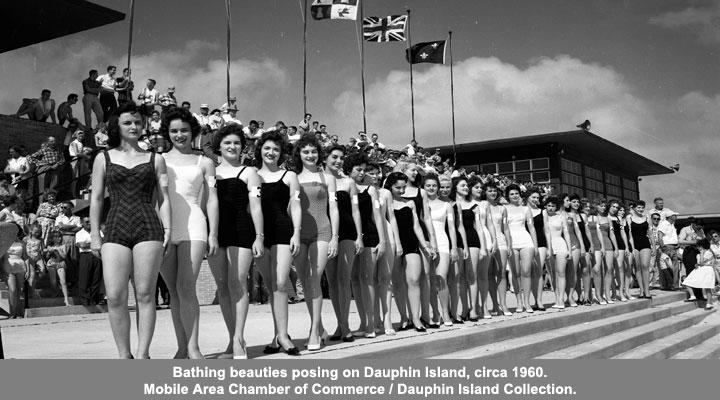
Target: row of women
x=435, y=243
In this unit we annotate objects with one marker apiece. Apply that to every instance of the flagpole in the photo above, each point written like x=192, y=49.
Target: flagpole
x=412, y=93
x=304, y=58
x=452, y=98
x=130, y=34
x=362, y=66
x=227, y=59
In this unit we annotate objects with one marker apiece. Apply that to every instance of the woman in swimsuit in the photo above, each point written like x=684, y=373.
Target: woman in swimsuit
x=558, y=246
x=373, y=236
x=641, y=246
x=135, y=238
x=584, y=291
x=628, y=271
x=16, y=270
x=319, y=233
x=414, y=192
x=457, y=260
x=441, y=212
x=412, y=240
x=577, y=271
x=487, y=287
x=341, y=270
x=282, y=218
x=539, y=218
x=502, y=240
x=467, y=275
x=608, y=247
x=620, y=245
x=189, y=176
x=524, y=242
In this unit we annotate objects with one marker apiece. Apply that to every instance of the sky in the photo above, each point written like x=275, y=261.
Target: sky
x=645, y=72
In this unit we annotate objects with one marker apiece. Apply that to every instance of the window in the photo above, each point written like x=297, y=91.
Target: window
x=630, y=195
x=469, y=168
x=593, y=173
x=488, y=168
x=541, y=177
x=614, y=191
x=505, y=167
x=571, y=179
x=541, y=163
x=564, y=188
x=612, y=179
x=523, y=177
x=571, y=166
x=593, y=195
x=630, y=184
x=523, y=165
x=595, y=186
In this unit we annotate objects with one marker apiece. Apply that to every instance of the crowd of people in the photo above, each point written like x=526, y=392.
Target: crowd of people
x=445, y=244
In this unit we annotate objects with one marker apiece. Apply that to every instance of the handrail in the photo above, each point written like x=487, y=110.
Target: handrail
x=36, y=174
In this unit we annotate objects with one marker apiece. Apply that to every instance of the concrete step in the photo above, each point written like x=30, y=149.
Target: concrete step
x=662, y=297
x=677, y=342
x=534, y=343
x=709, y=349
x=623, y=339
x=70, y=310
x=50, y=302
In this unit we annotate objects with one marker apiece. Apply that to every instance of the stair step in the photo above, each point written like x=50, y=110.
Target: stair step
x=677, y=342
x=615, y=342
x=668, y=297
x=70, y=310
x=534, y=343
x=709, y=349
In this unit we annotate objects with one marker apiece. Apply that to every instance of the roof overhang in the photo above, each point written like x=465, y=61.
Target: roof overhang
x=33, y=21
x=580, y=141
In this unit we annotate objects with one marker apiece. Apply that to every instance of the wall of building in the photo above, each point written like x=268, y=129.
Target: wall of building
x=24, y=132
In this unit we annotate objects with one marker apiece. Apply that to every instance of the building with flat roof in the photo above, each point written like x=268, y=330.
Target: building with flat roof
x=574, y=162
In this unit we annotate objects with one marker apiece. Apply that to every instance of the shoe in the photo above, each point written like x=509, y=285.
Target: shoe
x=241, y=356
x=370, y=335
x=708, y=306
x=359, y=333
x=390, y=332
x=293, y=351
x=447, y=323
x=529, y=310
x=420, y=329
x=406, y=326
x=540, y=307
x=270, y=349
x=315, y=346
x=457, y=321
x=336, y=337
x=349, y=338
x=690, y=300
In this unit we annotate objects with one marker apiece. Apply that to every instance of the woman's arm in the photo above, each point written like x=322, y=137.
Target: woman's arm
x=624, y=237
x=599, y=233
x=477, y=224
x=390, y=213
x=463, y=234
x=291, y=180
x=450, y=220
x=416, y=228
x=162, y=197
x=566, y=236
x=578, y=235
x=427, y=218
x=546, y=231
x=334, y=215
x=505, y=228
x=380, y=225
x=490, y=225
x=253, y=184
x=587, y=233
x=97, y=200
x=354, y=206
x=531, y=227
x=611, y=233
x=211, y=205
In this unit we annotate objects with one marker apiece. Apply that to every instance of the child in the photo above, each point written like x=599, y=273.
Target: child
x=703, y=276
x=55, y=254
x=33, y=254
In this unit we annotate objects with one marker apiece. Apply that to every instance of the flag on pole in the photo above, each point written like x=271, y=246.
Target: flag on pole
x=387, y=29
x=334, y=9
x=428, y=52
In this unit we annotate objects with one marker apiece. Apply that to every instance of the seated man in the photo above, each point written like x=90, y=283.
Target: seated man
x=65, y=112
x=38, y=109
x=48, y=162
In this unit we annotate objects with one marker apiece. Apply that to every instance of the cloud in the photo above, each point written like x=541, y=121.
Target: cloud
x=198, y=76
x=703, y=22
x=495, y=100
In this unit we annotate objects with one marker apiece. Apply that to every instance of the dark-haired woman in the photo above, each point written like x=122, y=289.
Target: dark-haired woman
x=445, y=193
x=583, y=286
x=487, y=284
x=319, y=233
x=598, y=255
x=558, y=246
x=502, y=241
x=134, y=236
x=640, y=241
x=374, y=240
x=539, y=217
x=578, y=271
x=468, y=268
x=620, y=244
x=281, y=222
x=576, y=246
x=703, y=276
x=189, y=176
x=340, y=270
x=412, y=240
x=524, y=242
x=608, y=249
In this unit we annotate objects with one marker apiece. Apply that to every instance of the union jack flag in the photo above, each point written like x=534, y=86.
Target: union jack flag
x=387, y=29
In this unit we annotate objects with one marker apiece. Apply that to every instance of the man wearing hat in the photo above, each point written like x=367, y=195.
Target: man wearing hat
x=231, y=116
x=687, y=239
x=230, y=104
x=204, y=120
x=167, y=101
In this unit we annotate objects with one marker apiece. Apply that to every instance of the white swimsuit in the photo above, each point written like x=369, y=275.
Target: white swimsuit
x=438, y=212
x=185, y=185
x=557, y=222
x=521, y=239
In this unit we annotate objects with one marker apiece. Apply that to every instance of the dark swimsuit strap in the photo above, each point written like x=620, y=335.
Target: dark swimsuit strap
x=240, y=173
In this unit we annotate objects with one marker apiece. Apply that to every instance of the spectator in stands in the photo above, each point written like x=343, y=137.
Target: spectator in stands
x=186, y=105
x=252, y=131
x=68, y=225
x=334, y=139
x=56, y=255
x=204, y=117
x=660, y=209
x=411, y=148
x=155, y=121
x=231, y=116
x=107, y=92
x=304, y=125
x=167, y=101
x=80, y=159
x=89, y=267
x=5, y=188
x=16, y=270
x=352, y=143
x=124, y=87
x=64, y=111
x=669, y=248
x=47, y=212
x=362, y=140
x=688, y=238
x=374, y=142
x=149, y=98
x=48, y=162
x=91, y=102
x=293, y=135
x=315, y=127
x=38, y=109
x=17, y=166
x=232, y=102
x=101, y=137
x=216, y=120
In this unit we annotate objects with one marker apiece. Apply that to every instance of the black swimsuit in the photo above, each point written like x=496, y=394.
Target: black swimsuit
x=405, y=222
x=370, y=233
x=277, y=223
x=235, y=224
x=639, y=234
x=347, y=223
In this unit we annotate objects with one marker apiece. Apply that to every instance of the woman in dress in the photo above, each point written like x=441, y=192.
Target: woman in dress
x=374, y=246
x=46, y=213
x=414, y=192
x=135, y=238
x=502, y=239
x=55, y=254
x=539, y=217
x=281, y=222
x=524, y=242
x=621, y=244
x=319, y=233
x=190, y=175
x=608, y=248
x=340, y=270
x=640, y=242
x=412, y=240
x=703, y=276
x=558, y=246
x=441, y=212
